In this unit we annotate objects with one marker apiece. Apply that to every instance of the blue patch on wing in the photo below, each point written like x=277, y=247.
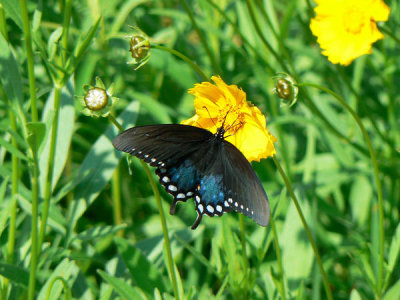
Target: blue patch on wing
x=184, y=175
x=211, y=190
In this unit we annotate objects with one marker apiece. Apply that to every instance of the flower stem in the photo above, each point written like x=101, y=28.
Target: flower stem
x=116, y=198
x=14, y=193
x=389, y=33
x=202, y=39
x=3, y=28
x=306, y=228
x=29, y=57
x=167, y=242
x=34, y=232
x=263, y=39
x=50, y=166
x=279, y=258
x=244, y=253
x=376, y=175
x=185, y=58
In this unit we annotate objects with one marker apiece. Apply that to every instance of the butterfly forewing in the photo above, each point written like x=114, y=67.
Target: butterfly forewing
x=161, y=145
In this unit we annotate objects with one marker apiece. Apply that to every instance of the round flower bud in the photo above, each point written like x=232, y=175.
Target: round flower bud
x=98, y=100
x=286, y=89
x=139, y=47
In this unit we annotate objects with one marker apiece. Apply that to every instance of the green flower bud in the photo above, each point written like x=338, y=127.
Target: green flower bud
x=139, y=46
x=286, y=89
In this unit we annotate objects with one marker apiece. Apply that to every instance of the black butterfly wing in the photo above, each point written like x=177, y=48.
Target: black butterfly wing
x=173, y=149
x=248, y=194
x=229, y=182
x=192, y=162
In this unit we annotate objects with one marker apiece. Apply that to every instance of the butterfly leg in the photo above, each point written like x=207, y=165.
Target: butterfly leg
x=197, y=222
x=173, y=207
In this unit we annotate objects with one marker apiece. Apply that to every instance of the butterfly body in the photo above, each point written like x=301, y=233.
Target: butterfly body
x=194, y=163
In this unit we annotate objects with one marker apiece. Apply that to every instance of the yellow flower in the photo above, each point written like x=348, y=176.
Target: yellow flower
x=245, y=124
x=346, y=29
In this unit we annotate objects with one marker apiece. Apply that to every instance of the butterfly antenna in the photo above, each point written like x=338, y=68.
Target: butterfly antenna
x=210, y=115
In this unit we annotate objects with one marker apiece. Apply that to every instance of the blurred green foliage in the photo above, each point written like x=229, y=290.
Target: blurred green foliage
x=94, y=249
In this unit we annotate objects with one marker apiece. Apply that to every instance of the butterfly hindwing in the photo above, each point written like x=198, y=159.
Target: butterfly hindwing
x=229, y=182
x=168, y=147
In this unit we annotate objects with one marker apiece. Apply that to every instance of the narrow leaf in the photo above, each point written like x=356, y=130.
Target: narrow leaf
x=143, y=272
x=122, y=288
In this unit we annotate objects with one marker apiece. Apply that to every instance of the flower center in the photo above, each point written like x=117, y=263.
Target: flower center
x=96, y=99
x=354, y=20
x=233, y=118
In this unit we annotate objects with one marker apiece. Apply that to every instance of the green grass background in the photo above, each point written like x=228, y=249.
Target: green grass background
x=103, y=237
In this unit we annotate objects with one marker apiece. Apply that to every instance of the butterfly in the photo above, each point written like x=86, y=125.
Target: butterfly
x=192, y=162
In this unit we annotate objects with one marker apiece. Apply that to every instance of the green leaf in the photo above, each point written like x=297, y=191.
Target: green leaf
x=99, y=165
x=53, y=41
x=13, y=11
x=66, y=122
x=355, y=295
x=393, y=293
x=99, y=232
x=122, y=288
x=394, y=252
x=36, y=133
x=15, y=274
x=10, y=76
x=12, y=149
x=297, y=254
x=144, y=273
x=65, y=269
x=360, y=200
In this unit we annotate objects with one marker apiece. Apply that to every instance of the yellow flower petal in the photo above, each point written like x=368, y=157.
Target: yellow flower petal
x=225, y=105
x=346, y=29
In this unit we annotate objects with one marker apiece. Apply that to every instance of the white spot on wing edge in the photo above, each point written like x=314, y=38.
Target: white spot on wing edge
x=165, y=179
x=180, y=196
x=210, y=208
x=201, y=208
x=219, y=208
x=172, y=188
x=226, y=203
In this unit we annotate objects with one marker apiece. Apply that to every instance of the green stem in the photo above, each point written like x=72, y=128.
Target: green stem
x=66, y=24
x=50, y=166
x=244, y=253
x=34, y=233
x=205, y=44
x=3, y=28
x=376, y=175
x=115, y=122
x=167, y=242
x=263, y=39
x=185, y=58
x=306, y=228
x=14, y=194
x=282, y=290
x=116, y=198
x=64, y=282
x=242, y=36
x=30, y=59
x=390, y=34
